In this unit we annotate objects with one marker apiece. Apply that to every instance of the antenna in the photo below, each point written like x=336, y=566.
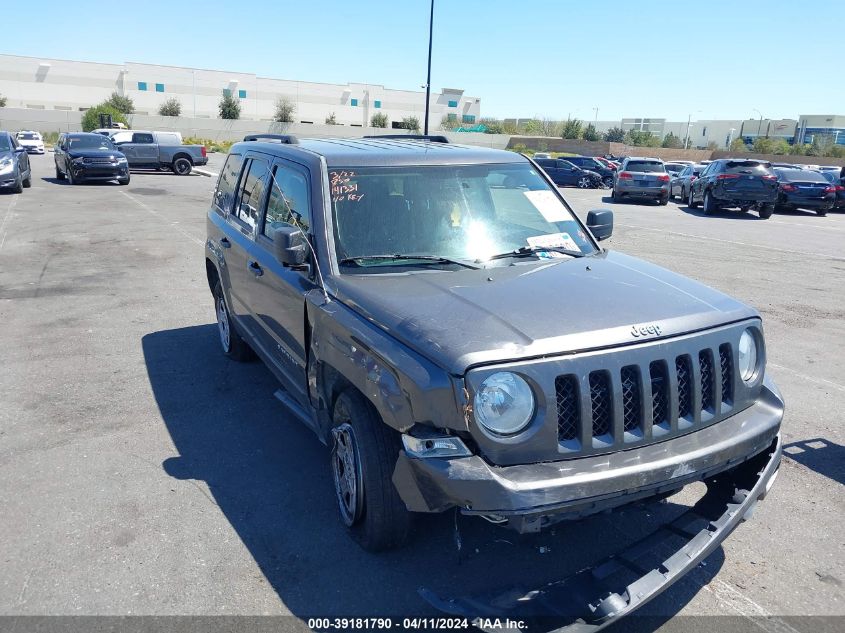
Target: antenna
x=294, y=216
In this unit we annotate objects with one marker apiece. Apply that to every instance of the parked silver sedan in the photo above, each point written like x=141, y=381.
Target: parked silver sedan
x=680, y=184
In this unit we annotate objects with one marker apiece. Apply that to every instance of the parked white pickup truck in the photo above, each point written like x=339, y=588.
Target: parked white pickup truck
x=156, y=150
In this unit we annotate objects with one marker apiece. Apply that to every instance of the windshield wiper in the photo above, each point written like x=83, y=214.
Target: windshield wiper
x=423, y=259
x=526, y=251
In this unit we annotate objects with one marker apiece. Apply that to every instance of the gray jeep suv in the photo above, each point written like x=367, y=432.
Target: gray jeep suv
x=442, y=320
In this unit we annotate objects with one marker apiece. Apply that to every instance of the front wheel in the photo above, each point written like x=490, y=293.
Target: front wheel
x=59, y=173
x=584, y=182
x=18, y=188
x=182, y=166
x=27, y=182
x=364, y=451
x=821, y=212
x=766, y=211
x=123, y=181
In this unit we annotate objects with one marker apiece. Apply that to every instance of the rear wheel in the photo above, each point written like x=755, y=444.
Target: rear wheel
x=691, y=203
x=233, y=345
x=59, y=173
x=27, y=182
x=709, y=205
x=820, y=212
x=182, y=166
x=364, y=452
x=766, y=211
x=663, y=201
x=614, y=196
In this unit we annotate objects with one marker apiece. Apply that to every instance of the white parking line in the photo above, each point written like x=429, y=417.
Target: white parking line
x=3, y=228
x=824, y=227
x=739, y=603
x=821, y=381
x=716, y=239
x=175, y=225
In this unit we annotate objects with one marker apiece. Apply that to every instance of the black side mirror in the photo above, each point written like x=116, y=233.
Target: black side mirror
x=600, y=223
x=289, y=246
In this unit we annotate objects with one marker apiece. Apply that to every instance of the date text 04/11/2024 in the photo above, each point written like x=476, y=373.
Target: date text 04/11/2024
x=440, y=624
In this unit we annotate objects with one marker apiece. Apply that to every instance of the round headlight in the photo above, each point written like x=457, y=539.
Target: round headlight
x=504, y=403
x=747, y=356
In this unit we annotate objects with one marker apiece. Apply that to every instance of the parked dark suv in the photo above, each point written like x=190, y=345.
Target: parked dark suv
x=735, y=182
x=564, y=173
x=591, y=164
x=81, y=156
x=443, y=321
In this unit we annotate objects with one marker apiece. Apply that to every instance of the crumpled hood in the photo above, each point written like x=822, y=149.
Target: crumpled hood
x=469, y=317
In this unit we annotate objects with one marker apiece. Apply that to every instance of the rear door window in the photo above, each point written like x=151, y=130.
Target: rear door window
x=251, y=192
x=646, y=166
x=225, y=193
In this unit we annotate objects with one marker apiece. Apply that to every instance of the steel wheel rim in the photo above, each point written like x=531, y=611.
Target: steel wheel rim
x=223, y=324
x=346, y=468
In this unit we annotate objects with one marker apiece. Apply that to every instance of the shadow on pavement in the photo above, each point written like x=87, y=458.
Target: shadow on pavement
x=823, y=456
x=270, y=477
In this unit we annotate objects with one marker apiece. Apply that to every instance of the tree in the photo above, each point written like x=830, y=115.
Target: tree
x=738, y=145
x=120, y=103
x=331, y=119
x=670, y=140
x=780, y=146
x=411, y=123
x=615, y=135
x=571, y=129
x=2, y=101
x=91, y=118
x=549, y=127
x=532, y=127
x=285, y=109
x=821, y=145
x=763, y=145
x=799, y=149
x=229, y=106
x=641, y=138
x=447, y=123
x=379, y=119
x=590, y=133
x=171, y=107
x=493, y=126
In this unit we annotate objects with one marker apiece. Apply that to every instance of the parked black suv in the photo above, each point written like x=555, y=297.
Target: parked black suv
x=81, y=156
x=735, y=182
x=591, y=164
x=564, y=173
x=440, y=317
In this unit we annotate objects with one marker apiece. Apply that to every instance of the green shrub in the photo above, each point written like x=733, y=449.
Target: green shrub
x=2, y=101
x=672, y=141
x=590, y=133
x=285, y=109
x=379, y=119
x=91, y=118
x=738, y=145
x=615, y=135
x=331, y=119
x=120, y=103
x=571, y=129
x=229, y=106
x=210, y=145
x=411, y=123
x=171, y=107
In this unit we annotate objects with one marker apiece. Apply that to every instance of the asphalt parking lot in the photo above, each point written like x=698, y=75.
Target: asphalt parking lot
x=143, y=473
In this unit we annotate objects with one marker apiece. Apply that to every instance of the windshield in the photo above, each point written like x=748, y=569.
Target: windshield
x=465, y=213
x=5, y=146
x=27, y=136
x=94, y=141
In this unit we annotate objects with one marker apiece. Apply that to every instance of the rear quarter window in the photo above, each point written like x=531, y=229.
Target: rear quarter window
x=225, y=193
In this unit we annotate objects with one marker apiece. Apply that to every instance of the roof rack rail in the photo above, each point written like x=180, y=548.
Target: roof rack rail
x=434, y=138
x=287, y=139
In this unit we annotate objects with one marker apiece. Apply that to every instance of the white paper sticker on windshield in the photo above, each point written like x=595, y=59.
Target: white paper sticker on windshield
x=548, y=204
x=554, y=240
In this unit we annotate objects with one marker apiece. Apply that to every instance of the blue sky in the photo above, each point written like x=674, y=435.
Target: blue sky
x=712, y=59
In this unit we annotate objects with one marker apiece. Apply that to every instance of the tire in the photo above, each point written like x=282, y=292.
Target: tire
x=709, y=207
x=123, y=181
x=18, y=188
x=683, y=194
x=766, y=211
x=27, y=182
x=230, y=340
x=584, y=182
x=70, y=179
x=60, y=175
x=819, y=212
x=182, y=166
x=663, y=201
x=614, y=196
x=363, y=456
x=608, y=182
x=691, y=203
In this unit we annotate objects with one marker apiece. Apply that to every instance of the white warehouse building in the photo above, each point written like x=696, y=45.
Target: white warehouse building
x=58, y=84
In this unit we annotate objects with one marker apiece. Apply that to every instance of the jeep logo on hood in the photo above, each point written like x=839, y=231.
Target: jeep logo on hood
x=645, y=330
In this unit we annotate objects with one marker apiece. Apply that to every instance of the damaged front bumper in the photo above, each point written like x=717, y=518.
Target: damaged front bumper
x=529, y=497
x=597, y=596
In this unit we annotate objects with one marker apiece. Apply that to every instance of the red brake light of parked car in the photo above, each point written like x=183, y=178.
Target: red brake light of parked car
x=663, y=177
x=840, y=188
x=204, y=154
x=788, y=187
x=728, y=176
x=624, y=175
x=830, y=189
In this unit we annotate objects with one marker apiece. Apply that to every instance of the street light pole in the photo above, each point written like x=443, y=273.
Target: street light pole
x=428, y=78
x=759, y=125
x=686, y=139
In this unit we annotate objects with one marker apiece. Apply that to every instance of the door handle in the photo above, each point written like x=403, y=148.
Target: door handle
x=225, y=243
x=255, y=268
